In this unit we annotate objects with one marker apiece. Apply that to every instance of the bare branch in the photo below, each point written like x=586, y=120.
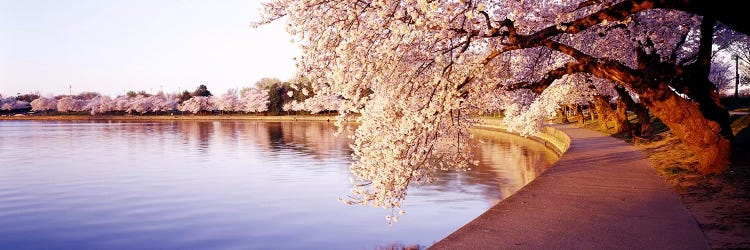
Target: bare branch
x=487, y=19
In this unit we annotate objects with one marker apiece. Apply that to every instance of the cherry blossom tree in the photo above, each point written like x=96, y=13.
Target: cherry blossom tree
x=121, y=103
x=164, y=104
x=322, y=102
x=738, y=55
x=254, y=100
x=289, y=107
x=295, y=106
x=723, y=72
x=228, y=102
x=12, y=103
x=7, y=106
x=43, y=104
x=197, y=104
x=67, y=104
x=411, y=70
x=142, y=104
x=100, y=105
x=79, y=105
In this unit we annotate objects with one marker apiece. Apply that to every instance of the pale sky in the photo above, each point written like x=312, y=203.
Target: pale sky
x=111, y=46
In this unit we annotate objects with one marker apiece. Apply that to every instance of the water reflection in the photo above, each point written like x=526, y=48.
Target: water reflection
x=208, y=185
x=314, y=138
x=514, y=162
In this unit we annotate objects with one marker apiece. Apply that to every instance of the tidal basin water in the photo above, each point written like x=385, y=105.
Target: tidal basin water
x=225, y=185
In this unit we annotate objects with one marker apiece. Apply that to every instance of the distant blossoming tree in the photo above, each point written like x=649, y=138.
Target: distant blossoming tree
x=100, y=105
x=12, y=103
x=143, y=104
x=197, y=104
x=254, y=100
x=7, y=106
x=67, y=104
x=43, y=104
x=165, y=104
x=228, y=102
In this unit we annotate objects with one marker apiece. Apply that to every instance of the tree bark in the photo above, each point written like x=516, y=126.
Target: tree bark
x=621, y=117
x=562, y=114
x=685, y=120
x=579, y=114
x=604, y=111
x=701, y=122
x=641, y=112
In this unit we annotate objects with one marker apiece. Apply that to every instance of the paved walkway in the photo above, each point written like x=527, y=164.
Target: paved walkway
x=601, y=194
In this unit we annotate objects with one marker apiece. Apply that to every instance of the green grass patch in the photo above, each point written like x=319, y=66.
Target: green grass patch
x=675, y=170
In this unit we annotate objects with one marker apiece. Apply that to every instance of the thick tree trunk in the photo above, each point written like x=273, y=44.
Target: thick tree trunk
x=685, y=120
x=621, y=117
x=562, y=114
x=579, y=114
x=701, y=122
x=603, y=110
x=641, y=112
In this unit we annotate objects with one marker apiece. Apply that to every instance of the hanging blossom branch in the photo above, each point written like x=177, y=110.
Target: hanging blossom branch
x=409, y=67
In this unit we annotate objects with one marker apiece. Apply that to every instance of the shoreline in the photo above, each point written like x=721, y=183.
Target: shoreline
x=551, y=138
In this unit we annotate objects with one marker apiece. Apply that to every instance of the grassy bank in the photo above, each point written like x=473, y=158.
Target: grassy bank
x=720, y=203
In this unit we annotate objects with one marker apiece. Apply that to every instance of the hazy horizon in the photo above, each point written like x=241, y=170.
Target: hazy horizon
x=113, y=47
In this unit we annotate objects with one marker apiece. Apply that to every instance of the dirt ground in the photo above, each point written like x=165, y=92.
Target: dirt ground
x=720, y=203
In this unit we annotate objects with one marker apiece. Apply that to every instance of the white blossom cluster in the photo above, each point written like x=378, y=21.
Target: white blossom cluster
x=43, y=104
x=315, y=104
x=254, y=100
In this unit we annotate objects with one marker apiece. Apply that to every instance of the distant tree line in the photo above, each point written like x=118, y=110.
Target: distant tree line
x=269, y=96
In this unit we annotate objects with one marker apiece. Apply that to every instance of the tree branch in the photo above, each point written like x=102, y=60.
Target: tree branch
x=539, y=86
x=705, y=48
x=487, y=19
x=587, y=3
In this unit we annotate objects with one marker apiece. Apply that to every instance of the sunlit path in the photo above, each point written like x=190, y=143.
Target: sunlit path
x=602, y=194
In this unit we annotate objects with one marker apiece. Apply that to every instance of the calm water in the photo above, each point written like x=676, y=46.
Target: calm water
x=223, y=185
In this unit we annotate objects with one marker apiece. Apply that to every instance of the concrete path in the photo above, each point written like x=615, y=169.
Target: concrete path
x=601, y=194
